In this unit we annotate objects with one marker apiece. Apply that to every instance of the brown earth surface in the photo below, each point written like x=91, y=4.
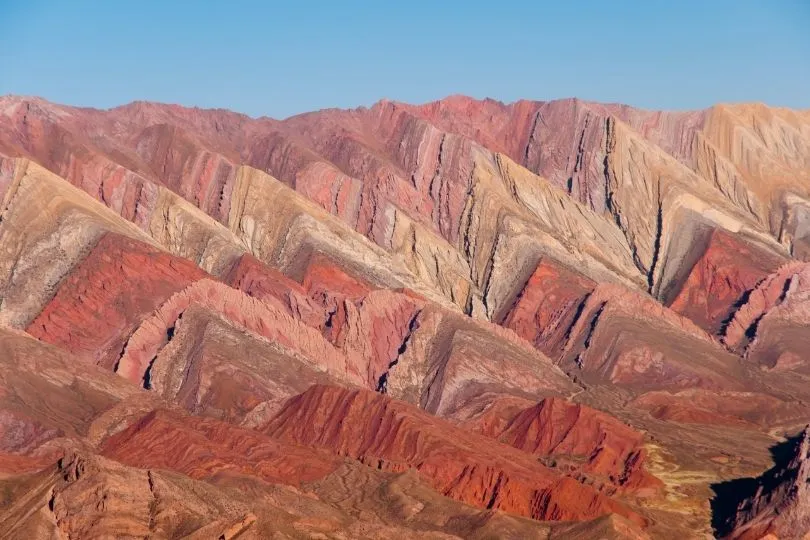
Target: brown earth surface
x=462, y=319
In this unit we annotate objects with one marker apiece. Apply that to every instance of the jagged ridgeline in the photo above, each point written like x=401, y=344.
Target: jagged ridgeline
x=458, y=319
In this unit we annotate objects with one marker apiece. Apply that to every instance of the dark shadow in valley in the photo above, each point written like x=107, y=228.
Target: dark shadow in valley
x=729, y=495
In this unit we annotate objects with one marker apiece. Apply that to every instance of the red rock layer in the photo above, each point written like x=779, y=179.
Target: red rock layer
x=264, y=320
x=564, y=140
x=628, y=339
x=609, y=449
x=770, y=293
x=728, y=268
x=547, y=306
x=101, y=302
x=187, y=167
x=375, y=329
x=60, y=142
x=87, y=496
x=332, y=289
x=204, y=448
x=381, y=148
x=199, y=370
x=344, y=308
x=394, y=436
x=256, y=279
x=503, y=128
x=323, y=275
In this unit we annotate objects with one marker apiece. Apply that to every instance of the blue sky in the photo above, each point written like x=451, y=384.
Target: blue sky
x=281, y=58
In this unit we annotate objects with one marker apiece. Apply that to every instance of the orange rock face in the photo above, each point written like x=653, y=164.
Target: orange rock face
x=202, y=448
x=393, y=436
x=606, y=448
x=323, y=276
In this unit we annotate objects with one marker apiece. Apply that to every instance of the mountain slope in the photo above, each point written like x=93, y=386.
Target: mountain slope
x=451, y=320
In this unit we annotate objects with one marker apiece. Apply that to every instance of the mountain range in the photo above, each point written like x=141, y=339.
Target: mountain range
x=461, y=319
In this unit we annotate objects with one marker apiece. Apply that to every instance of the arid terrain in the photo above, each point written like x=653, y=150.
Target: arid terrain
x=462, y=319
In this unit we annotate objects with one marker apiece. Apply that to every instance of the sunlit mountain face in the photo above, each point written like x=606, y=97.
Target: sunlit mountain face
x=462, y=319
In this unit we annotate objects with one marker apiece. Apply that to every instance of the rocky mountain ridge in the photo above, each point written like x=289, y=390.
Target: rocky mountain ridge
x=538, y=319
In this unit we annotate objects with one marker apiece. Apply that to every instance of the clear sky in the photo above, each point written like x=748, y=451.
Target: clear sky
x=281, y=58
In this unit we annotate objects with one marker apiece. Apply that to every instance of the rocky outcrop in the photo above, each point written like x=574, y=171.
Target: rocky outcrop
x=768, y=328
x=547, y=306
x=287, y=234
x=449, y=359
x=119, y=283
x=241, y=310
x=85, y=496
x=47, y=227
x=571, y=437
x=627, y=339
x=269, y=285
x=776, y=504
x=198, y=370
x=393, y=436
x=718, y=281
x=187, y=232
x=187, y=167
x=405, y=496
x=561, y=276
x=58, y=139
x=201, y=448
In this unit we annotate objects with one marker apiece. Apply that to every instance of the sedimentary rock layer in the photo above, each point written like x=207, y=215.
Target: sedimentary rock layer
x=452, y=320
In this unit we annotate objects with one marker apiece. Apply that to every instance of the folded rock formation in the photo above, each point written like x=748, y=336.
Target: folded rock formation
x=461, y=319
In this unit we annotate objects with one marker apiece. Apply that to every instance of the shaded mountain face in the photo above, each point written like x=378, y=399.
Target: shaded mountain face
x=463, y=319
x=774, y=503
